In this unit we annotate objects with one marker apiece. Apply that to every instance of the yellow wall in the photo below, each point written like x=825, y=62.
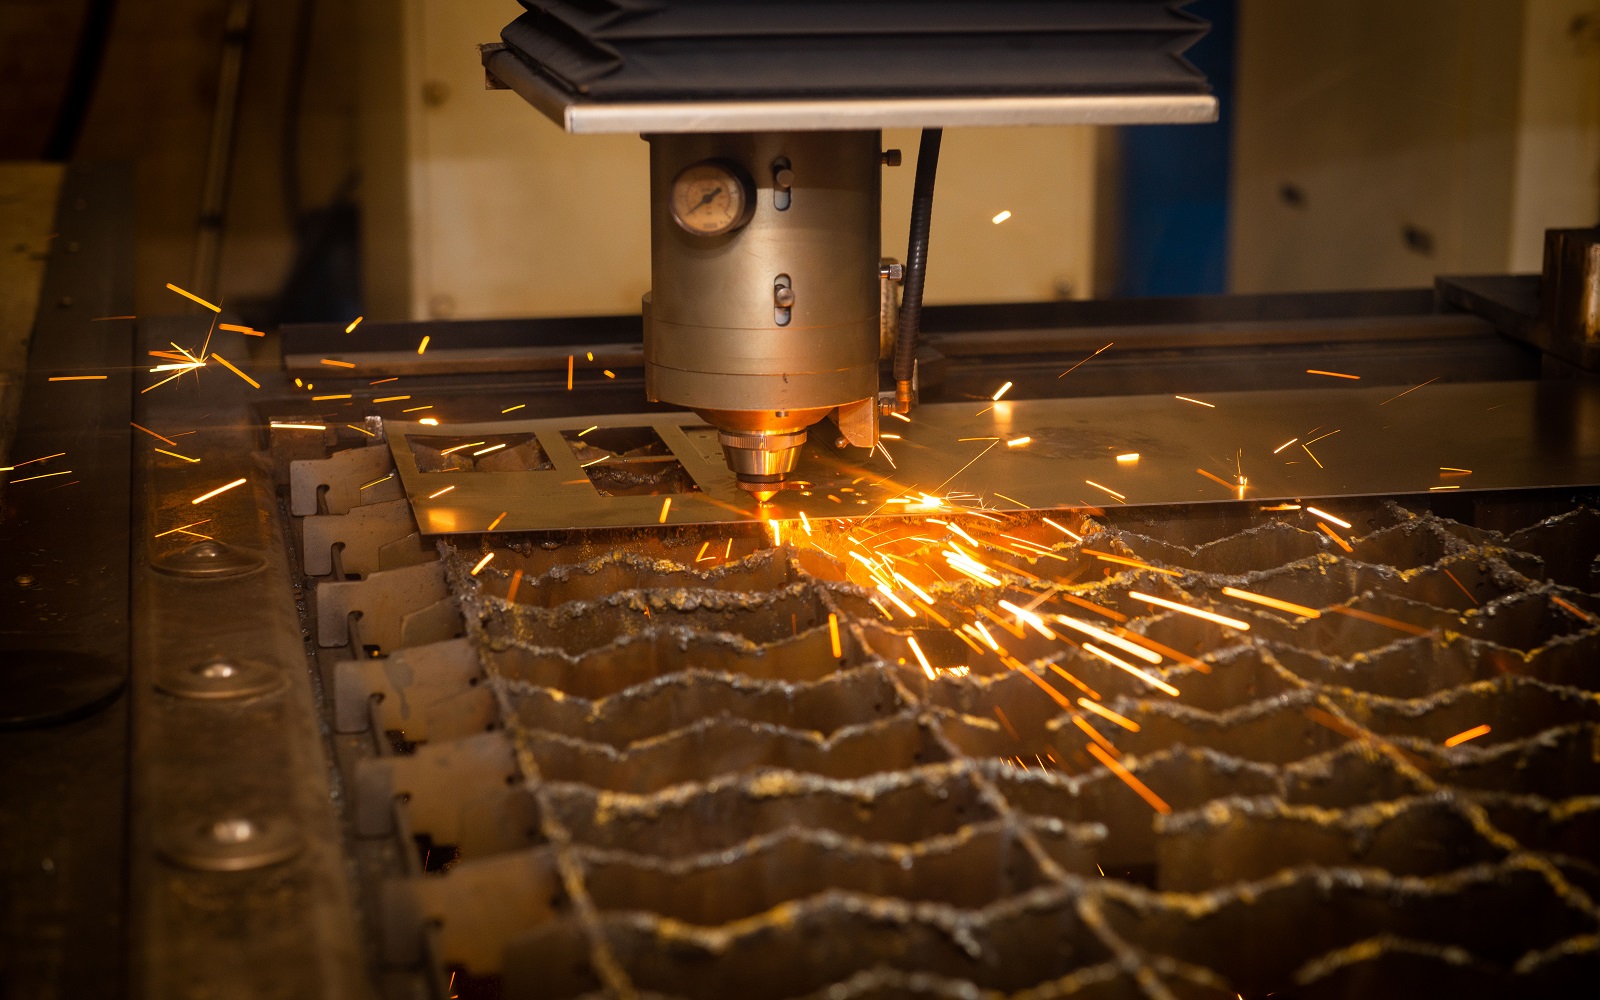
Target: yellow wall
x=478, y=206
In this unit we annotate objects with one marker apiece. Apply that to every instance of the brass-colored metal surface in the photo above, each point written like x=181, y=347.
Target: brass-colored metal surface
x=716, y=301
x=765, y=318
x=1363, y=442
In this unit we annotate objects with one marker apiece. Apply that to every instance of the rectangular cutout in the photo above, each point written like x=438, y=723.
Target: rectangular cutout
x=484, y=453
x=629, y=461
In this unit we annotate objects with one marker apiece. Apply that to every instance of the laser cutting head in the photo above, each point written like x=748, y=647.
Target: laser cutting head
x=763, y=314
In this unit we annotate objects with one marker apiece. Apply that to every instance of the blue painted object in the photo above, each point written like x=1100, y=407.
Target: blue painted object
x=1173, y=211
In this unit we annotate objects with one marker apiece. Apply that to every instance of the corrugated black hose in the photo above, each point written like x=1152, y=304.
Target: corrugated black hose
x=905, y=347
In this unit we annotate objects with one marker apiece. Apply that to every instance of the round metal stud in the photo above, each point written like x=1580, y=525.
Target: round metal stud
x=209, y=560
x=233, y=843
x=219, y=679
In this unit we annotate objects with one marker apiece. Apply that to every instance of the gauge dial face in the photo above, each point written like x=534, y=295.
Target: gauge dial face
x=710, y=198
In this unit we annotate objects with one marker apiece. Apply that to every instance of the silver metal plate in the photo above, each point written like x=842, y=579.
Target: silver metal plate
x=579, y=115
x=1361, y=441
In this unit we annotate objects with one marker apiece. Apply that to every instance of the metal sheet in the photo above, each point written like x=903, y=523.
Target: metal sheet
x=583, y=116
x=1362, y=442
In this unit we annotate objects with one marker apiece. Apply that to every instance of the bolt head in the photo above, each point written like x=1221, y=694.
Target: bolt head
x=235, y=830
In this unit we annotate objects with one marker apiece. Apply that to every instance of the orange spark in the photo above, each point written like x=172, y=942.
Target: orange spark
x=337, y=395
x=1115, y=616
x=1070, y=534
x=833, y=634
x=1108, y=489
x=1023, y=615
x=1185, y=609
x=1091, y=357
x=224, y=362
x=1318, y=371
x=353, y=324
x=174, y=454
x=1284, y=445
x=1080, y=685
x=47, y=475
x=1094, y=734
x=185, y=528
x=202, y=498
x=1186, y=399
x=1106, y=713
x=436, y=494
x=1143, y=675
x=1001, y=392
x=1464, y=590
x=1146, y=655
x=666, y=505
x=390, y=399
x=1057, y=696
x=1215, y=479
x=236, y=328
x=1129, y=458
x=1273, y=602
x=1581, y=614
x=79, y=378
x=1467, y=734
x=338, y=364
x=424, y=345
x=1132, y=782
x=1124, y=561
x=569, y=373
x=298, y=427
x=1410, y=390
x=1368, y=616
x=154, y=434
x=927, y=668
x=482, y=563
x=511, y=408
x=1333, y=535
x=516, y=581
x=193, y=297
x=1018, y=442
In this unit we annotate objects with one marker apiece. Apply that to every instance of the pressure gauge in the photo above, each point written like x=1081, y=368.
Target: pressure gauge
x=711, y=198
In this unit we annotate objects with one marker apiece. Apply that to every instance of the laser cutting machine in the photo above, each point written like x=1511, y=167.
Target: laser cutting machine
x=355, y=669
x=771, y=305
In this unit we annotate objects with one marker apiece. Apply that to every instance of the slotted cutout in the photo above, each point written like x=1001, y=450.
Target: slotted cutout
x=484, y=453
x=629, y=461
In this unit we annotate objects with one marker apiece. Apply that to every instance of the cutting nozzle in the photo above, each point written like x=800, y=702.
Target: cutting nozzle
x=761, y=460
